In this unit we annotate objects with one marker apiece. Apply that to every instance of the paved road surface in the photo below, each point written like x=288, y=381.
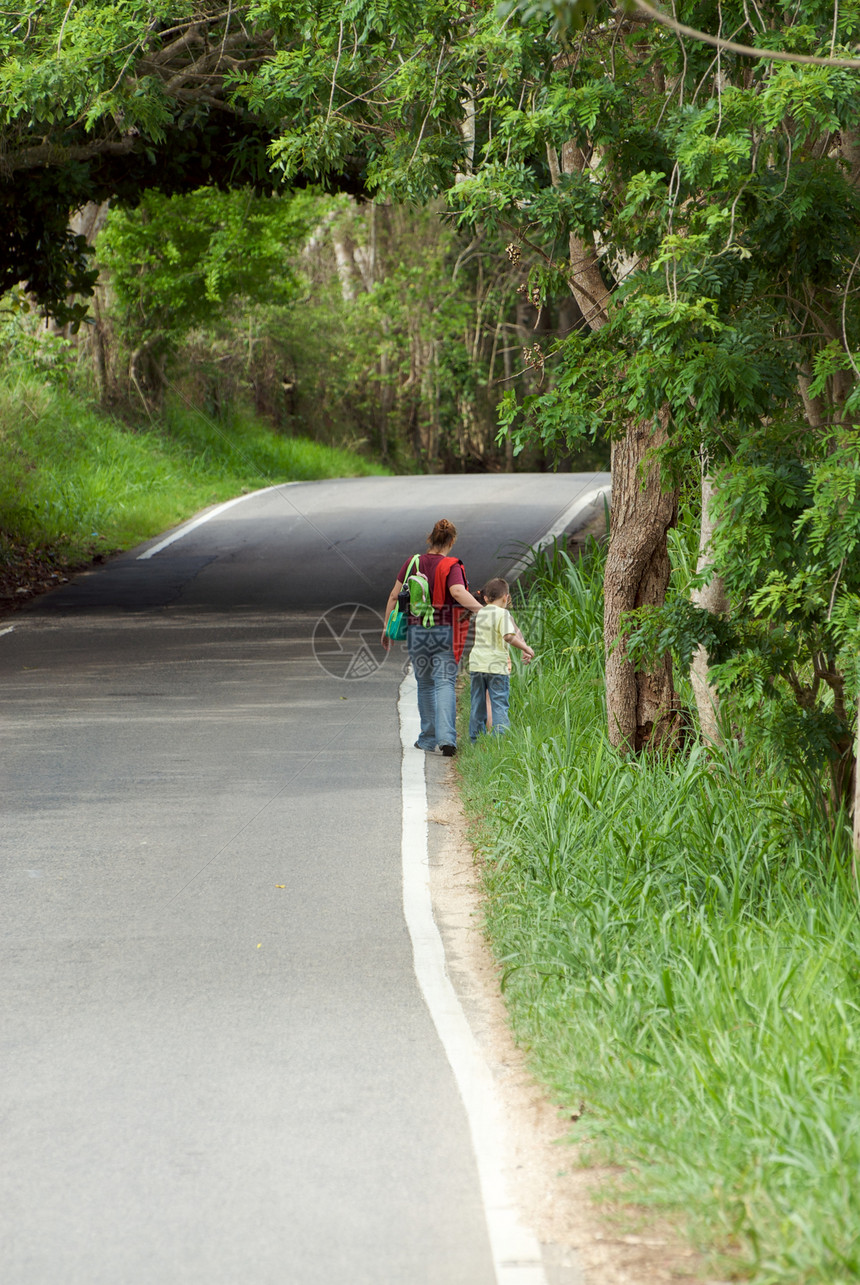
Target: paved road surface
x=217, y=1065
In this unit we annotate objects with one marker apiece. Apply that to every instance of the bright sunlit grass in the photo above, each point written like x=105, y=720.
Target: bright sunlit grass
x=77, y=481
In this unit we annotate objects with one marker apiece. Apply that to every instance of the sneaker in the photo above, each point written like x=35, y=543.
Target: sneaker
x=448, y=750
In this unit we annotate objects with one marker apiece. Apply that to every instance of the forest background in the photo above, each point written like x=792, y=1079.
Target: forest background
x=587, y=225
x=376, y=326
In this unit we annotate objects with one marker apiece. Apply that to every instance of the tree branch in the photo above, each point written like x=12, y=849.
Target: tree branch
x=749, y=51
x=55, y=154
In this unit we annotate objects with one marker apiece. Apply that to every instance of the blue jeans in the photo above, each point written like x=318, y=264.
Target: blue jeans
x=432, y=654
x=499, y=687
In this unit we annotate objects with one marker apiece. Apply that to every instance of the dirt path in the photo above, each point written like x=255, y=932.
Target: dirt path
x=584, y=1243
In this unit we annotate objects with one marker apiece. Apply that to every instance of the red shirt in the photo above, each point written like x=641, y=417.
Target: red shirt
x=427, y=563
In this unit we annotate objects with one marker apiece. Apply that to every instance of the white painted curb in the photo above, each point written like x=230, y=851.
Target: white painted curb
x=516, y=1251
x=559, y=527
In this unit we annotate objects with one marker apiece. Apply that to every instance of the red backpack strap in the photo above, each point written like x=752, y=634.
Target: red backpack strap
x=462, y=617
x=440, y=579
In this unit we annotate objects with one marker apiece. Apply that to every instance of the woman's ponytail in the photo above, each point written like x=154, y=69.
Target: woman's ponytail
x=443, y=535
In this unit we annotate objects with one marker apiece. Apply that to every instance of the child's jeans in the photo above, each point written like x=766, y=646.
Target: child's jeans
x=499, y=687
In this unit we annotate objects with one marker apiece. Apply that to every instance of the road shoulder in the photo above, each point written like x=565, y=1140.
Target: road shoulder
x=583, y=1243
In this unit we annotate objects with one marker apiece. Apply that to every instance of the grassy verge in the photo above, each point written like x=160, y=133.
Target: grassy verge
x=75, y=482
x=681, y=951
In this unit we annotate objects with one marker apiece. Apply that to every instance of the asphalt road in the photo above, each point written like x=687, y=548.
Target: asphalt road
x=217, y=1063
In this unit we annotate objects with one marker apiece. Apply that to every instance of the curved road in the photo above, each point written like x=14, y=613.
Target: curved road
x=218, y=1067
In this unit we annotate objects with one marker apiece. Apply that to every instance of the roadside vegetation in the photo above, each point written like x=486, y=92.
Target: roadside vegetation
x=374, y=323
x=679, y=941
x=77, y=483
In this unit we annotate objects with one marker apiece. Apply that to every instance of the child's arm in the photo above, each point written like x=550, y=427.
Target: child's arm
x=516, y=640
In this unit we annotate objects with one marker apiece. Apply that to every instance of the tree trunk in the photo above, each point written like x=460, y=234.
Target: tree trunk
x=146, y=375
x=586, y=283
x=813, y=407
x=99, y=348
x=713, y=598
x=467, y=129
x=345, y=263
x=507, y=358
x=89, y=220
x=641, y=706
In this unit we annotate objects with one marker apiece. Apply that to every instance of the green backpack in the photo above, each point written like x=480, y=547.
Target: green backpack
x=420, y=597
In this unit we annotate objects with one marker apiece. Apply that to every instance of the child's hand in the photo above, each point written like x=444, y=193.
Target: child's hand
x=528, y=655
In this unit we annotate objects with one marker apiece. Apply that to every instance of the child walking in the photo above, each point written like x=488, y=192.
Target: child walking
x=489, y=662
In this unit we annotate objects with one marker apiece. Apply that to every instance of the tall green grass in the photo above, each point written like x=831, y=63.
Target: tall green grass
x=681, y=949
x=75, y=480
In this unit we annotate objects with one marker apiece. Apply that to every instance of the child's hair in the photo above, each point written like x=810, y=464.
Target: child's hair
x=444, y=533
x=495, y=589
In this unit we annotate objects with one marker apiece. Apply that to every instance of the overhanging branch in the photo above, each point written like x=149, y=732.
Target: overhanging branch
x=31, y=158
x=749, y=51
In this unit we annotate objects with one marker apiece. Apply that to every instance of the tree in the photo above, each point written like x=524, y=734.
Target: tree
x=175, y=263
x=699, y=208
x=731, y=246
x=424, y=319
x=488, y=118
x=108, y=101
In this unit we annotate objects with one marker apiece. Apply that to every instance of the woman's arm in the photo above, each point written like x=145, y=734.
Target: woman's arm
x=392, y=598
x=461, y=595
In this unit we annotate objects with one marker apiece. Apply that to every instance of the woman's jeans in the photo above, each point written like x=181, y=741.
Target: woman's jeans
x=432, y=654
x=499, y=688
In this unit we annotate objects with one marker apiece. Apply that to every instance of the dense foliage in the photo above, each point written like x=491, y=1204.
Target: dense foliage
x=721, y=195
x=378, y=325
x=179, y=264
x=679, y=946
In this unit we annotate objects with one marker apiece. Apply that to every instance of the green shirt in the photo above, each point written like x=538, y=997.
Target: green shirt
x=490, y=652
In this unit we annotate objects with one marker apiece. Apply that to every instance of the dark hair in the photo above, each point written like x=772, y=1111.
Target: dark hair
x=444, y=533
x=495, y=589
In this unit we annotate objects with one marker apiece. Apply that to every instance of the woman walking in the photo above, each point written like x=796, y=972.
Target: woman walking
x=435, y=648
